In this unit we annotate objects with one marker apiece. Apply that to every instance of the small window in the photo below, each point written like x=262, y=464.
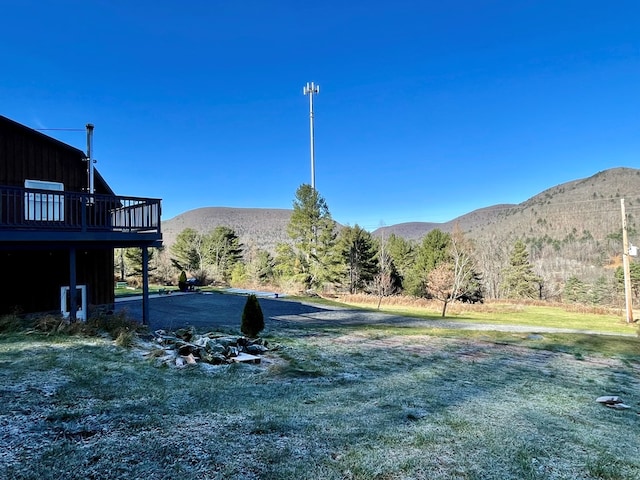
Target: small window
x=43, y=206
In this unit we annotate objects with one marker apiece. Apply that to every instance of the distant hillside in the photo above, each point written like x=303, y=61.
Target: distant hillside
x=261, y=227
x=570, y=229
x=467, y=222
x=589, y=206
x=585, y=208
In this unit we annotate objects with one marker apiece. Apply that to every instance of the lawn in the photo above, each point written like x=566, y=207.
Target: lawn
x=331, y=403
x=153, y=289
x=505, y=313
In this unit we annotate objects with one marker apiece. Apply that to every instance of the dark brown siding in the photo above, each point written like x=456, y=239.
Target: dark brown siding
x=32, y=279
x=28, y=154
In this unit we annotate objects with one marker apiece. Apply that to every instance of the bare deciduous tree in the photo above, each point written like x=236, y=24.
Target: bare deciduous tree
x=440, y=284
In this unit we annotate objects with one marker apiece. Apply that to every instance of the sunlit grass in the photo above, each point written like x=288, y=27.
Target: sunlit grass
x=332, y=403
x=550, y=316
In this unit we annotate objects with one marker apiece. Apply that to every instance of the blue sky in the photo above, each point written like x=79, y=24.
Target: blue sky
x=427, y=109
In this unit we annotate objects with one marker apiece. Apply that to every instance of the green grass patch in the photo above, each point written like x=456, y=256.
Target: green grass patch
x=548, y=316
x=132, y=292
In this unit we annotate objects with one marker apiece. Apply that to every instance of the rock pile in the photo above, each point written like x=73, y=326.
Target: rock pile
x=613, y=401
x=186, y=347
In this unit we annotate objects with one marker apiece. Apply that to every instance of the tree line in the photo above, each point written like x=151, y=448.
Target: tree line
x=320, y=257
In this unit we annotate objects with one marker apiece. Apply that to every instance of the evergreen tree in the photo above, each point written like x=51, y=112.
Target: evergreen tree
x=634, y=276
x=260, y=266
x=287, y=264
x=222, y=252
x=133, y=261
x=402, y=253
x=602, y=292
x=518, y=278
x=252, y=317
x=432, y=251
x=475, y=290
x=358, y=252
x=187, y=251
x=575, y=290
x=312, y=231
x=182, y=281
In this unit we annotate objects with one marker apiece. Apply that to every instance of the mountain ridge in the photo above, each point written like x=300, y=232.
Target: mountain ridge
x=578, y=203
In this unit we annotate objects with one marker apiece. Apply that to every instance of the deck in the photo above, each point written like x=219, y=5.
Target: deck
x=34, y=216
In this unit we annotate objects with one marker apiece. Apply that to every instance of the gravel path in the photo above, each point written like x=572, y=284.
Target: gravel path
x=224, y=311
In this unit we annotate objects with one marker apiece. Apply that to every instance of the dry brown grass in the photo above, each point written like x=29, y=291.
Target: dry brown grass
x=457, y=308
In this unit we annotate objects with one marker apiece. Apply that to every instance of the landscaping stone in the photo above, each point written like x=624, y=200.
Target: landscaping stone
x=609, y=399
x=187, y=347
x=255, y=349
x=613, y=401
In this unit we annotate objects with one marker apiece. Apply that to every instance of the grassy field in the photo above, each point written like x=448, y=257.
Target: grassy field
x=154, y=288
x=332, y=403
x=504, y=313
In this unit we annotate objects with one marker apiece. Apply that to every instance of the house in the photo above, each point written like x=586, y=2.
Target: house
x=59, y=224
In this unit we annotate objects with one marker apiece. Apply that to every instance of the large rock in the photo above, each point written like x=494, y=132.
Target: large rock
x=609, y=399
x=255, y=349
x=211, y=346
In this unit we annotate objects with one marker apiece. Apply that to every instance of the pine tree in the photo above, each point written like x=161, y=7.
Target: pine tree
x=402, y=253
x=433, y=251
x=358, y=252
x=259, y=266
x=222, y=251
x=574, y=290
x=518, y=278
x=133, y=261
x=187, y=251
x=312, y=231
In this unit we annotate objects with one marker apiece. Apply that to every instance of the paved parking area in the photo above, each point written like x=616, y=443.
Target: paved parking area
x=217, y=310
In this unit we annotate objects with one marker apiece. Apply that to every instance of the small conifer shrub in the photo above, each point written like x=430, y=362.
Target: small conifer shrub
x=182, y=281
x=252, y=317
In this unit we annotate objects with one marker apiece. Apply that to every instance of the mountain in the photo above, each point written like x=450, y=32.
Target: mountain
x=571, y=229
x=467, y=222
x=260, y=227
x=589, y=207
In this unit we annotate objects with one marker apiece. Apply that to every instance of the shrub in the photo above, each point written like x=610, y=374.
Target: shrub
x=182, y=281
x=50, y=324
x=111, y=323
x=10, y=323
x=125, y=338
x=252, y=317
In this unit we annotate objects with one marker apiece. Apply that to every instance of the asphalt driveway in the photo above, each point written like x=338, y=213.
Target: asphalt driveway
x=215, y=311
x=210, y=311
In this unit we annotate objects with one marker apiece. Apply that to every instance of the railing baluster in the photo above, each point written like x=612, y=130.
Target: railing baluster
x=37, y=209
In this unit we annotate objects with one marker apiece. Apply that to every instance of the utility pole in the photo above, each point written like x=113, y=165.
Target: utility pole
x=625, y=265
x=311, y=89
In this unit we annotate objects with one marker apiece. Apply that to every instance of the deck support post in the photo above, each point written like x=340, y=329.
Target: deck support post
x=145, y=286
x=73, y=301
